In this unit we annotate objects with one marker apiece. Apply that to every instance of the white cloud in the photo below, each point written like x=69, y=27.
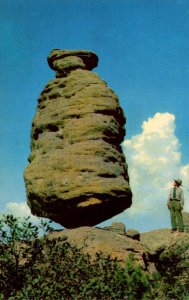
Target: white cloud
x=18, y=209
x=154, y=160
x=22, y=210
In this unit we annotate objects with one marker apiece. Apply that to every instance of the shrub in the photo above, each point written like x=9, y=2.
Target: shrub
x=33, y=267
x=17, y=250
x=173, y=266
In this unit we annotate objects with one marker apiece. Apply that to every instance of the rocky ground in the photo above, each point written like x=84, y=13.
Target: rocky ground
x=117, y=242
x=161, y=239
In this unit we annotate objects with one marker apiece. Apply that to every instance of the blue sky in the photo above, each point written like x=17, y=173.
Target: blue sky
x=143, y=48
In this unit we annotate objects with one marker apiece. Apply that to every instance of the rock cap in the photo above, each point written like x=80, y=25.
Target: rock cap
x=65, y=60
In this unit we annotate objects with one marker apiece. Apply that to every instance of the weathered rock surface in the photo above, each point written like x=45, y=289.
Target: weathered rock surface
x=77, y=175
x=161, y=240
x=117, y=243
x=117, y=227
x=94, y=240
x=134, y=234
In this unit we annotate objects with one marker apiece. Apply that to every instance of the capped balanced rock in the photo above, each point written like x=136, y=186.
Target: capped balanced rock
x=77, y=173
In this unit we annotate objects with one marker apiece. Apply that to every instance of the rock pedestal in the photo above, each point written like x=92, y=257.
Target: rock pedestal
x=77, y=174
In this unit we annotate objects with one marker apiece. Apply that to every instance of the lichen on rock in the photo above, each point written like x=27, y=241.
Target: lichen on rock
x=77, y=173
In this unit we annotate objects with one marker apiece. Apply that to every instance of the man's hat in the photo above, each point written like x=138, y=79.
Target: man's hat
x=178, y=181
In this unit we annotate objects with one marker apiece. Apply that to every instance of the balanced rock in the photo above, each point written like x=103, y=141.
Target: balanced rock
x=77, y=173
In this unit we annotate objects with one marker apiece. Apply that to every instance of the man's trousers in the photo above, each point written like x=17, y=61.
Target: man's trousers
x=176, y=215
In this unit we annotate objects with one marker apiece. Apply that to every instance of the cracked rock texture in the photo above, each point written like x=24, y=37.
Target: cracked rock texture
x=77, y=173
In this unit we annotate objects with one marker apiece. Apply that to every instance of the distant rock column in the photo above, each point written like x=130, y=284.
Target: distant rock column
x=77, y=174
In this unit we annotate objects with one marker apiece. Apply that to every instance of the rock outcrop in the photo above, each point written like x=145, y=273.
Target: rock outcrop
x=94, y=240
x=77, y=173
x=162, y=240
x=147, y=248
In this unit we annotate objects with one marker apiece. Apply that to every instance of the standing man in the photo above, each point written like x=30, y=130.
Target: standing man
x=175, y=204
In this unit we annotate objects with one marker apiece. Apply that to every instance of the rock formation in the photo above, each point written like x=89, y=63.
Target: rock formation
x=161, y=240
x=148, y=248
x=92, y=240
x=77, y=174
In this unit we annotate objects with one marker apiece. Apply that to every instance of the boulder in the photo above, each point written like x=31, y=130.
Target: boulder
x=134, y=234
x=77, y=173
x=117, y=227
